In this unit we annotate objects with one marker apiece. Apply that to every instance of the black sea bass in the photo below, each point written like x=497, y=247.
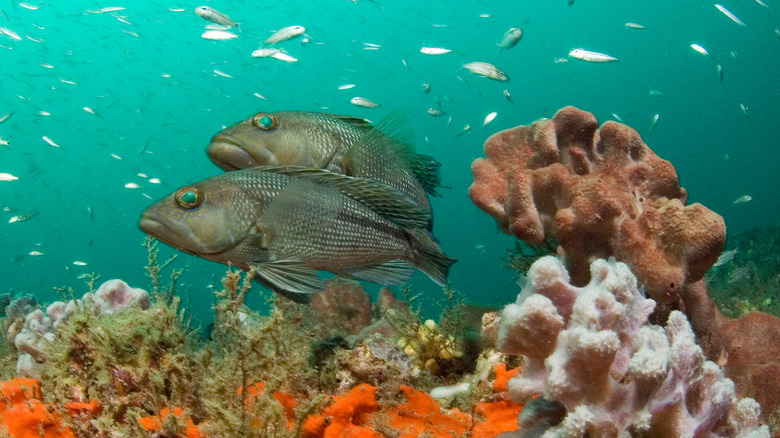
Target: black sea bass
x=342, y=144
x=287, y=223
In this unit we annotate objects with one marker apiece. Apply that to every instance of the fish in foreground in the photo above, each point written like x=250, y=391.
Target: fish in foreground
x=214, y=16
x=285, y=229
x=342, y=144
x=487, y=70
x=218, y=35
x=510, y=38
x=8, y=177
x=285, y=34
x=587, y=55
x=743, y=199
x=365, y=103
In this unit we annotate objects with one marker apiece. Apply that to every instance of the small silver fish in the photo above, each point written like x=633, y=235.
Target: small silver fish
x=731, y=16
x=744, y=109
x=587, y=55
x=464, y=130
x=285, y=34
x=214, y=16
x=434, y=51
x=281, y=56
x=725, y=257
x=654, y=122
x=218, y=35
x=510, y=38
x=508, y=96
x=262, y=53
x=5, y=116
x=720, y=73
x=739, y=274
x=699, y=48
x=489, y=118
x=634, y=26
x=365, y=103
x=426, y=88
x=743, y=199
x=50, y=141
x=435, y=112
x=487, y=70
x=8, y=177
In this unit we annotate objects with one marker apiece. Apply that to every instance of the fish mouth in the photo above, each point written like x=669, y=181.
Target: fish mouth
x=175, y=234
x=229, y=155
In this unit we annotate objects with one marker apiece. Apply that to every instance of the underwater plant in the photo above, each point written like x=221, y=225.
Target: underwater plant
x=747, y=276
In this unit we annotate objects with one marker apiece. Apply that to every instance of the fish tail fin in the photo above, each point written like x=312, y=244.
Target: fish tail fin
x=429, y=258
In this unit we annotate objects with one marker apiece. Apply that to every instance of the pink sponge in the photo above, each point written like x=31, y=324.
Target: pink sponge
x=591, y=352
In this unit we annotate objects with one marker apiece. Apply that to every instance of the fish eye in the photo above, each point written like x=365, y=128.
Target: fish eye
x=189, y=197
x=266, y=122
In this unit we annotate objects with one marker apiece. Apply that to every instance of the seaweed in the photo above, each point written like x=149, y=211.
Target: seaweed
x=751, y=279
x=524, y=255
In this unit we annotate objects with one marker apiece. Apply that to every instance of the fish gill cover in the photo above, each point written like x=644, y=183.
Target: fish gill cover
x=107, y=106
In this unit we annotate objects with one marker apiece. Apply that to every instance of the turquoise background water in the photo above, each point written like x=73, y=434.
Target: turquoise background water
x=153, y=84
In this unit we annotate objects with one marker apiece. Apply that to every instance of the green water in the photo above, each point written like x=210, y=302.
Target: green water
x=159, y=92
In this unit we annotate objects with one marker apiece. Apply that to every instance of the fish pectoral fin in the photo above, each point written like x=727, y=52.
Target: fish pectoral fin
x=387, y=201
x=392, y=272
x=289, y=276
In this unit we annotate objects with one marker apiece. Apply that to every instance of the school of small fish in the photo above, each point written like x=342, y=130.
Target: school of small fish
x=291, y=47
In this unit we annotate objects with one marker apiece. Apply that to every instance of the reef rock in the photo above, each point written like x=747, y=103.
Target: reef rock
x=599, y=193
x=595, y=366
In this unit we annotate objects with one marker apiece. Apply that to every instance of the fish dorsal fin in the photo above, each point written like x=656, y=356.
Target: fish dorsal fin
x=354, y=121
x=392, y=272
x=386, y=201
x=386, y=153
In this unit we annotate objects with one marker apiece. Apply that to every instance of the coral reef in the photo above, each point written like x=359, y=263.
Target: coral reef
x=33, y=334
x=599, y=193
x=599, y=368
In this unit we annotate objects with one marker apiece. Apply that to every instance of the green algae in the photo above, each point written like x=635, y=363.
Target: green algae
x=751, y=280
